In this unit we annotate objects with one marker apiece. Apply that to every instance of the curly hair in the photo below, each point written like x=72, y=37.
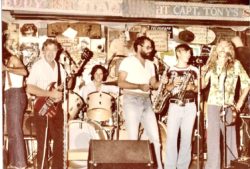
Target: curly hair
x=214, y=55
x=28, y=26
x=104, y=71
x=140, y=40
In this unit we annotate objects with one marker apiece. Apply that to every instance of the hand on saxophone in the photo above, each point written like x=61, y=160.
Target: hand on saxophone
x=177, y=82
x=191, y=87
x=165, y=80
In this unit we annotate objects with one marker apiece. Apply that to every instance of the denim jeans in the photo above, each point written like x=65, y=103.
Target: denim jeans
x=55, y=132
x=179, y=118
x=215, y=125
x=16, y=100
x=138, y=109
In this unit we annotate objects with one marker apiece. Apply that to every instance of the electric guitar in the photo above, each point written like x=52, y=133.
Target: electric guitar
x=48, y=106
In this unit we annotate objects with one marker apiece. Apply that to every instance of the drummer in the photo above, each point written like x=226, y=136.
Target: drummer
x=98, y=76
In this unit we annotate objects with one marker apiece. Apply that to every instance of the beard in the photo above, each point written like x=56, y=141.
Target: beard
x=149, y=56
x=145, y=55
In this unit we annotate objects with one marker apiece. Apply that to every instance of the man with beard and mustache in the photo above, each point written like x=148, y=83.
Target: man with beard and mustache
x=137, y=77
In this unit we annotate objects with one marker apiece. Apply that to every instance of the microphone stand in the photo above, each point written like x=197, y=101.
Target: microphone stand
x=224, y=123
x=65, y=108
x=197, y=134
x=118, y=115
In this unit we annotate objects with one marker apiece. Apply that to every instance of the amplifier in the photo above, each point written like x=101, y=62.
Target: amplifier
x=120, y=154
x=241, y=164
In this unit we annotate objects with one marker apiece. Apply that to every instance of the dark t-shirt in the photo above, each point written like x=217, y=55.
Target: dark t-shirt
x=243, y=55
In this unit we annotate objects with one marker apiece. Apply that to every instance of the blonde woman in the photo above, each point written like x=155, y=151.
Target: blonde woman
x=223, y=72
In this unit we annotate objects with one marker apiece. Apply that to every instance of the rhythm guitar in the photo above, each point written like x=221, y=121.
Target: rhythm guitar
x=48, y=106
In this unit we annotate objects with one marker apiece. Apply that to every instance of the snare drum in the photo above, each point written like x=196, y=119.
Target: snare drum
x=80, y=134
x=100, y=106
x=75, y=103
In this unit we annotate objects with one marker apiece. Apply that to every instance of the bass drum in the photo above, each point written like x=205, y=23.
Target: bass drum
x=100, y=106
x=163, y=136
x=80, y=134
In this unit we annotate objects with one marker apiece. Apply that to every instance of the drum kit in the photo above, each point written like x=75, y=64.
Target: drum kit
x=101, y=118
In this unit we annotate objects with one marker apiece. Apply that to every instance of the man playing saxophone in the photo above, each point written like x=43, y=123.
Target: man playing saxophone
x=182, y=109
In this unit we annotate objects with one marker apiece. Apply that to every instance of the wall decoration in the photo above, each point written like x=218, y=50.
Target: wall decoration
x=118, y=44
x=160, y=37
x=202, y=35
x=29, y=46
x=83, y=29
x=118, y=47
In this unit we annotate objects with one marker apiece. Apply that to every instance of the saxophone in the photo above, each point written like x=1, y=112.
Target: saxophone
x=162, y=95
x=181, y=89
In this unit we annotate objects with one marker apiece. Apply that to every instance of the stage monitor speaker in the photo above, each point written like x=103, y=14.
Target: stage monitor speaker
x=241, y=164
x=121, y=154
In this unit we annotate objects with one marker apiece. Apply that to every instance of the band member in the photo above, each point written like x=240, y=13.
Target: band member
x=242, y=53
x=43, y=73
x=98, y=76
x=223, y=71
x=182, y=109
x=136, y=77
x=15, y=101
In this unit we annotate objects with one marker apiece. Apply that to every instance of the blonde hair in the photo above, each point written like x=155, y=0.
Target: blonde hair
x=214, y=56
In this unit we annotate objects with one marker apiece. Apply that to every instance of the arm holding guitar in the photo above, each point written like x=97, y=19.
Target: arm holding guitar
x=54, y=94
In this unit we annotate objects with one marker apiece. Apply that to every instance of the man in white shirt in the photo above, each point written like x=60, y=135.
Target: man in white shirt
x=137, y=77
x=43, y=73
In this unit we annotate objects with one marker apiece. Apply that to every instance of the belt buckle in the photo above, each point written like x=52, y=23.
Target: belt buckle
x=180, y=102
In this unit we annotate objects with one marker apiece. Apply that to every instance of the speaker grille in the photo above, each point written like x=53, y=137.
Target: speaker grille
x=120, y=154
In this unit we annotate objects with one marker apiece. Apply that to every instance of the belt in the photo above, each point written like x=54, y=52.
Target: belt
x=178, y=101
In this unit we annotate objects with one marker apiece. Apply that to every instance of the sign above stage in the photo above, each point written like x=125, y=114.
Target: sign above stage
x=132, y=9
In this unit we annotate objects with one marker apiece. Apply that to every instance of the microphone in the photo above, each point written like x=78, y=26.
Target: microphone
x=66, y=56
x=199, y=60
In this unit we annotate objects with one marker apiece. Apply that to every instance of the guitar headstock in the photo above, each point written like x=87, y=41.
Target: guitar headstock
x=85, y=57
x=86, y=54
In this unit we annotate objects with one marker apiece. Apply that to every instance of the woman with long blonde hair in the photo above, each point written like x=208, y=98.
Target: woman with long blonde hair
x=223, y=72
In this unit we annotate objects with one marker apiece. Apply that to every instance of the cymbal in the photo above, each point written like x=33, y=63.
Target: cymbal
x=114, y=83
